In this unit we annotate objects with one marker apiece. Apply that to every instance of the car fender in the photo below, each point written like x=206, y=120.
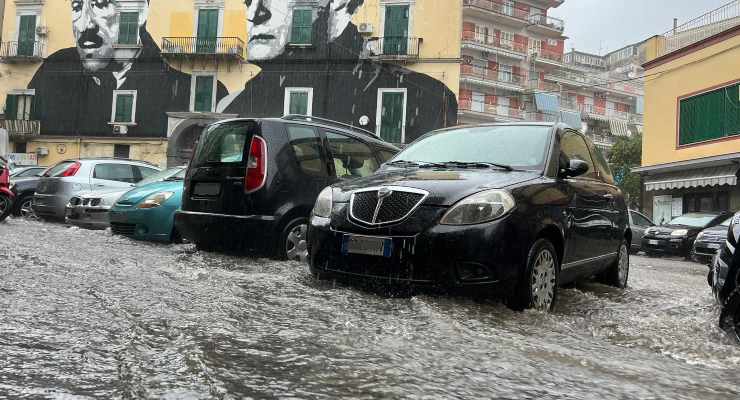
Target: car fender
x=7, y=192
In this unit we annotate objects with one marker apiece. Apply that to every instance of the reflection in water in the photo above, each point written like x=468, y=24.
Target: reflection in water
x=88, y=314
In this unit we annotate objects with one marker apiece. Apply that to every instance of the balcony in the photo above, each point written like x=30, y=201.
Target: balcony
x=481, y=111
x=569, y=78
x=492, y=44
x=394, y=48
x=546, y=25
x=484, y=76
x=510, y=11
x=22, y=52
x=21, y=128
x=225, y=48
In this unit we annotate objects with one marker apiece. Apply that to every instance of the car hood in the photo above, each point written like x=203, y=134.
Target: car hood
x=445, y=186
x=667, y=229
x=715, y=230
x=136, y=195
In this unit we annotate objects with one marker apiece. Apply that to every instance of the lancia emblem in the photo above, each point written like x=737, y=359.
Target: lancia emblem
x=384, y=192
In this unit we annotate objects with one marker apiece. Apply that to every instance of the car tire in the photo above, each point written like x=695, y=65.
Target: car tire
x=618, y=272
x=22, y=207
x=729, y=318
x=293, y=243
x=205, y=246
x=538, y=286
x=6, y=207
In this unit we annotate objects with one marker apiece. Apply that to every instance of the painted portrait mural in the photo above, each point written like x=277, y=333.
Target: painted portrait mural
x=74, y=87
x=344, y=86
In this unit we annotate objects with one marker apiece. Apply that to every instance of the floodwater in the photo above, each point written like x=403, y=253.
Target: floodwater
x=85, y=314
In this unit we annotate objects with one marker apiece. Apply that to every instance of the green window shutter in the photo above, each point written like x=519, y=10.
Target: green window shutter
x=34, y=108
x=203, y=94
x=124, y=108
x=128, y=31
x=298, y=103
x=207, y=31
x=302, y=28
x=27, y=35
x=391, y=117
x=732, y=110
x=709, y=116
x=396, y=31
x=11, y=107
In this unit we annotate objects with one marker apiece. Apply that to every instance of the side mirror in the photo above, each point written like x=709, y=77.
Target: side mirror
x=576, y=168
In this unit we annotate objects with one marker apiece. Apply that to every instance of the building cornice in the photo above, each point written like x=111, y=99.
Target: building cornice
x=692, y=48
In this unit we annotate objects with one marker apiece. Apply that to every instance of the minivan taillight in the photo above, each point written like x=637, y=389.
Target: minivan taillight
x=71, y=170
x=256, y=165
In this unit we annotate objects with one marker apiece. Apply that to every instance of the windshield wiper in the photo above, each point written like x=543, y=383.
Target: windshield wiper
x=479, y=164
x=420, y=164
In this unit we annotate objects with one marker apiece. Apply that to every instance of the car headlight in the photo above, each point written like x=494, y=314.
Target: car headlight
x=323, y=205
x=155, y=200
x=700, y=236
x=478, y=208
x=679, y=232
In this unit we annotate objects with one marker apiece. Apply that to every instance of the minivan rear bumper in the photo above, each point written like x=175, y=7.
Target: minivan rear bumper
x=227, y=232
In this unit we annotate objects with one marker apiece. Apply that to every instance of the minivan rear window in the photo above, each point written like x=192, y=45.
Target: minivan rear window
x=223, y=143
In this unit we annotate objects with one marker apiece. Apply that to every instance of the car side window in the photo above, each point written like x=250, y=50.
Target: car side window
x=351, y=157
x=639, y=220
x=602, y=167
x=573, y=147
x=307, y=148
x=115, y=172
x=145, y=172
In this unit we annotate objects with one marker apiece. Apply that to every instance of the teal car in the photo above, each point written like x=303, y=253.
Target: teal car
x=147, y=212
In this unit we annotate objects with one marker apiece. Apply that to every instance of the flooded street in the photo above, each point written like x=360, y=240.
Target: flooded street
x=84, y=314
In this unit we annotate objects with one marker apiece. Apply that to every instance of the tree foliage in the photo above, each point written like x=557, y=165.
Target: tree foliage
x=625, y=155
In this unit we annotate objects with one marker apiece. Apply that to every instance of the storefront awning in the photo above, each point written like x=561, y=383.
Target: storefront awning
x=548, y=103
x=619, y=128
x=571, y=118
x=715, y=176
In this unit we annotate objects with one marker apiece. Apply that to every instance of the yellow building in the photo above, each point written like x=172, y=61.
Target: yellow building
x=691, y=142
x=141, y=78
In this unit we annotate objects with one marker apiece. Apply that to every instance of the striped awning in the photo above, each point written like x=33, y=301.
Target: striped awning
x=619, y=128
x=715, y=176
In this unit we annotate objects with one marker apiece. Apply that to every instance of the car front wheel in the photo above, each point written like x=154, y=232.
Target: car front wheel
x=294, y=241
x=729, y=319
x=538, y=286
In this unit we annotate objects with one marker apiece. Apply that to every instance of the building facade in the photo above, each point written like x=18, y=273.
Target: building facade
x=691, y=145
x=515, y=68
x=141, y=78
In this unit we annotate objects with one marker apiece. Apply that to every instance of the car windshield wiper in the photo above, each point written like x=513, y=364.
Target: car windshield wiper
x=420, y=164
x=479, y=164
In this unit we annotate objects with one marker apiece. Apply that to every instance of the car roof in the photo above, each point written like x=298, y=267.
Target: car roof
x=557, y=126
x=110, y=160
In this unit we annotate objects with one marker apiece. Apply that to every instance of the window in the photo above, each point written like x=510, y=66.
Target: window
x=19, y=107
x=128, y=28
x=307, y=149
x=124, y=106
x=391, y=115
x=27, y=35
x=396, y=30
x=202, y=89
x=602, y=167
x=573, y=147
x=507, y=39
x=121, y=151
x=20, y=147
x=207, y=31
x=298, y=101
x=639, y=220
x=352, y=158
x=709, y=116
x=223, y=143
x=302, y=28
x=535, y=46
x=115, y=172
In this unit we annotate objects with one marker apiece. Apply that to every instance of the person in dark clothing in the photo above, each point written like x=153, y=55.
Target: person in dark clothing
x=345, y=87
x=74, y=87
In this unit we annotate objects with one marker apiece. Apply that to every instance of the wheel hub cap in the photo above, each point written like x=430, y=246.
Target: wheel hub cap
x=543, y=281
x=296, y=247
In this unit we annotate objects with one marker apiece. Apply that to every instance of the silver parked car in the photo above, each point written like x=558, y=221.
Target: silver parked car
x=638, y=224
x=70, y=177
x=90, y=209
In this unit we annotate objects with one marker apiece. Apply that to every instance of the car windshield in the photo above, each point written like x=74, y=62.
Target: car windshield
x=178, y=176
x=160, y=176
x=694, y=220
x=223, y=143
x=517, y=146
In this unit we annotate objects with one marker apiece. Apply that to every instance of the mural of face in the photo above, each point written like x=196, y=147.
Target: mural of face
x=95, y=27
x=268, y=26
x=340, y=15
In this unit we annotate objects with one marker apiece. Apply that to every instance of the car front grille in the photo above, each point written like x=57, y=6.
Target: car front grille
x=122, y=229
x=379, y=206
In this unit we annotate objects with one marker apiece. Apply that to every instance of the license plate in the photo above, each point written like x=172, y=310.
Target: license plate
x=714, y=245
x=367, y=245
x=653, y=242
x=207, y=189
x=118, y=217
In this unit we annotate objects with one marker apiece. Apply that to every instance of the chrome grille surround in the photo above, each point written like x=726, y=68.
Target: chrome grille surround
x=369, y=203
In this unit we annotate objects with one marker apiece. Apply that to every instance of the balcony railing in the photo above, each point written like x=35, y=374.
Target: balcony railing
x=507, y=8
x=698, y=29
x=548, y=55
x=21, y=127
x=493, y=41
x=395, y=47
x=493, y=75
x=493, y=110
x=543, y=85
x=547, y=21
x=228, y=47
x=19, y=51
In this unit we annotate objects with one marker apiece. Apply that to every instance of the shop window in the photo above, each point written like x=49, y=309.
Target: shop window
x=709, y=116
x=706, y=202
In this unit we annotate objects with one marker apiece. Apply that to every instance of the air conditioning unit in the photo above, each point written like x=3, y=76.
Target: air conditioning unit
x=120, y=129
x=42, y=30
x=42, y=151
x=365, y=28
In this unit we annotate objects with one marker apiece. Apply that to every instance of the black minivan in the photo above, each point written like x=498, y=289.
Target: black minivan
x=251, y=183
x=501, y=209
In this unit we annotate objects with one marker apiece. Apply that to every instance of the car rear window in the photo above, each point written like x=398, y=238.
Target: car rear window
x=223, y=143
x=58, y=169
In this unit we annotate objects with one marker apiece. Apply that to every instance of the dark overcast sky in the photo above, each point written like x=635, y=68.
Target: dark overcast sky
x=607, y=25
